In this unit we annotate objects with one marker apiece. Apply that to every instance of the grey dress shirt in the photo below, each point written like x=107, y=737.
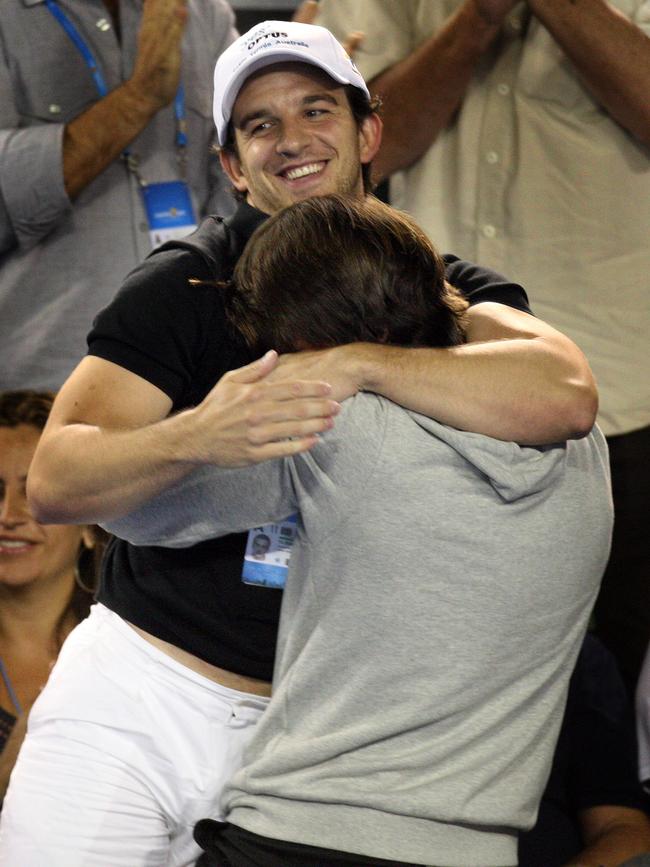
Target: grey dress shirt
x=61, y=262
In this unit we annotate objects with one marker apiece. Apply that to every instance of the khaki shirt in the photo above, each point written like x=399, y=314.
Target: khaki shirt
x=534, y=179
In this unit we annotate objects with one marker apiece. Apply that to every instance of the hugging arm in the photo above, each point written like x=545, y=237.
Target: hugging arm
x=110, y=443
x=210, y=502
x=516, y=378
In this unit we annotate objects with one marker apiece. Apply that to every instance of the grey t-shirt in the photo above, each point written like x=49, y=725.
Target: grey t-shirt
x=438, y=593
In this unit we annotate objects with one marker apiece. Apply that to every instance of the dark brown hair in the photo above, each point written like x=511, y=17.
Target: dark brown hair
x=335, y=269
x=32, y=408
x=25, y=407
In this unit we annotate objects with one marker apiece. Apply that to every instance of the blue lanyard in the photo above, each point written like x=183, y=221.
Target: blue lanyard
x=100, y=81
x=12, y=695
x=80, y=45
x=179, y=114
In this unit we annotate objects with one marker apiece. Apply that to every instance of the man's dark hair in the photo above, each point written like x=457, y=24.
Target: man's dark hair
x=25, y=407
x=335, y=269
x=361, y=108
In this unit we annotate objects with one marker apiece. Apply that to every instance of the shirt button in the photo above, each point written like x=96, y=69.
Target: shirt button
x=503, y=89
x=492, y=157
x=489, y=231
x=55, y=109
x=103, y=24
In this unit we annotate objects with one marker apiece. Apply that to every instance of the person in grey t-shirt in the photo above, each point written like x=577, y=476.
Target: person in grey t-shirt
x=438, y=591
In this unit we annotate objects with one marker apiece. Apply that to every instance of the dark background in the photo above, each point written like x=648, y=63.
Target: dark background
x=249, y=12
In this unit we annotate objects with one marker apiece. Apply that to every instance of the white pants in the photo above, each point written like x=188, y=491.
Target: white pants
x=126, y=750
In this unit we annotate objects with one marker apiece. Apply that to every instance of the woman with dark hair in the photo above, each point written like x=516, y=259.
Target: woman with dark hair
x=47, y=575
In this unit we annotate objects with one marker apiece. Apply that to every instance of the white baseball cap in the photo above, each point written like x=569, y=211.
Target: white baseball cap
x=276, y=42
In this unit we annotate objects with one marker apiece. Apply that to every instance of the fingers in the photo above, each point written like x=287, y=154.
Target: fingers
x=284, y=448
x=245, y=414
x=353, y=41
x=278, y=411
x=306, y=13
x=163, y=9
x=181, y=11
x=270, y=430
x=283, y=418
x=256, y=370
x=166, y=18
x=254, y=442
x=285, y=388
x=156, y=71
x=292, y=389
x=296, y=364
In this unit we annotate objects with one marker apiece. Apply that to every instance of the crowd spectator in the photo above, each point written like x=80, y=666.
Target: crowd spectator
x=593, y=811
x=518, y=135
x=47, y=575
x=82, y=85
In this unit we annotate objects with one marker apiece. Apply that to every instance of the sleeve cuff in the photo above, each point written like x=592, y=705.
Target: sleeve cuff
x=31, y=181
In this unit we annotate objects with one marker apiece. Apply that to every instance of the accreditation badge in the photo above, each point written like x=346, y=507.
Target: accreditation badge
x=268, y=549
x=169, y=211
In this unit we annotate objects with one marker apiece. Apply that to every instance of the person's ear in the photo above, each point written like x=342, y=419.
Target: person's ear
x=231, y=165
x=370, y=131
x=88, y=538
x=87, y=559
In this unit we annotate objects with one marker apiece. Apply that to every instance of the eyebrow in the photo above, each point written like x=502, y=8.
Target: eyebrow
x=308, y=100
x=252, y=115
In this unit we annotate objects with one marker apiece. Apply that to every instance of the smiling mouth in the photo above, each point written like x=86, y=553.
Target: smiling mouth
x=14, y=546
x=303, y=171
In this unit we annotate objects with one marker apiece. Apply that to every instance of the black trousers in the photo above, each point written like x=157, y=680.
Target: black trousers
x=227, y=845
x=622, y=613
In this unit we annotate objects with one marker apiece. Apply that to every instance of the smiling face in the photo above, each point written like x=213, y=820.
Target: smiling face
x=29, y=551
x=296, y=137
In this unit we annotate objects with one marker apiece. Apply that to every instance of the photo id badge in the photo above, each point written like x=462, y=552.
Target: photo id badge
x=169, y=211
x=268, y=549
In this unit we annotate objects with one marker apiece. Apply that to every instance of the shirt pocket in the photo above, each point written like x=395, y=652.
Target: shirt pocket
x=546, y=74
x=57, y=88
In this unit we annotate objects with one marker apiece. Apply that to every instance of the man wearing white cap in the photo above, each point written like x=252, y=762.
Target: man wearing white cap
x=155, y=696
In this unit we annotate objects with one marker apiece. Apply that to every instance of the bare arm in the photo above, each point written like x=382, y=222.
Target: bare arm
x=97, y=137
x=518, y=379
x=209, y=502
x=611, y=55
x=109, y=444
x=612, y=835
x=422, y=92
